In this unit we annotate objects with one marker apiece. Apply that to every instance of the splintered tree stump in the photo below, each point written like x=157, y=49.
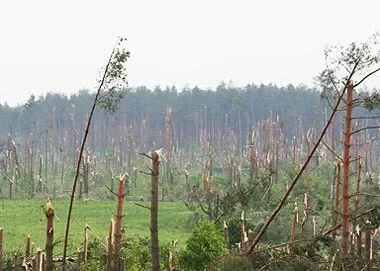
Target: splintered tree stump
x=49, y=212
x=117, y=264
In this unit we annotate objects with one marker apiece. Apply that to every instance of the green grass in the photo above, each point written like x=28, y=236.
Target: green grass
x=19, y=218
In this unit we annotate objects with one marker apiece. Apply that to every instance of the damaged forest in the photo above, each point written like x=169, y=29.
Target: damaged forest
x=259, y=177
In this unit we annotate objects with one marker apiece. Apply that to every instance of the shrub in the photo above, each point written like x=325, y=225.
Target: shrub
x=205, y=245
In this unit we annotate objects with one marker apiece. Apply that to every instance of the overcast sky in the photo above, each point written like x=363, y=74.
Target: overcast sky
x=61, y=47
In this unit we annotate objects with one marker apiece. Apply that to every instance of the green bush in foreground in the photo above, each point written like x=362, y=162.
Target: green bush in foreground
x=205, y=245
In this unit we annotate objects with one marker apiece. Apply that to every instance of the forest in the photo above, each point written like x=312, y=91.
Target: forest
x=259, y=177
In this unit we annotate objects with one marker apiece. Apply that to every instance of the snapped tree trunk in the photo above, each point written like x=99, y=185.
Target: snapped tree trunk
x=368, y=246
x=154, y=211
x=110, y=244
x=118, y=227
x=49, y=212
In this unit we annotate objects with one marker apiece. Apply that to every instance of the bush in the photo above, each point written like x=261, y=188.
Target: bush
x=205, y=245
x=136, y=253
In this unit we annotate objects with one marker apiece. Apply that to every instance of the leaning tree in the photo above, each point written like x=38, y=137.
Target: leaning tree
x=347, y=68
x=108, y=96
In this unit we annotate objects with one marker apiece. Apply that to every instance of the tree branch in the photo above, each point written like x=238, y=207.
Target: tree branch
x=146, y=155
x=365, y=77
x=364, y=128
x=140, y=205
x=332, y=151
x=365, y=118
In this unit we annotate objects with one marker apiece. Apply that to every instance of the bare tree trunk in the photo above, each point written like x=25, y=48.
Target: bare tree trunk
x=118, y=226
x=11, y=182
x=27, y=247
x=80, y=257
x=46, y=154
x=30, y=159
x=86, y=171
x=337, y=210
x=368, y=246
x=40, y=175
x=169, y=144
x=154, y=211
x=294, y=223
x=85, y=244
x=252, y=158
x=110, y=245
x=346, y=178
x=52, y=140
x=49, y=212
x=225, y=234
x=39, y=260
x=359, y=251
x=75, y=135
x=63, y=159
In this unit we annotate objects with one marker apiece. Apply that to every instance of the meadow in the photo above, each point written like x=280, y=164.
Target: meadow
x=20, y=218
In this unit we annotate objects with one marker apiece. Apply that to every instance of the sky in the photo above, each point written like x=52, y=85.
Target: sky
x=60, y=46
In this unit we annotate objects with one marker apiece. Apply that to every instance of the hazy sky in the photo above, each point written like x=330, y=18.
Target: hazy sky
x=50, y=46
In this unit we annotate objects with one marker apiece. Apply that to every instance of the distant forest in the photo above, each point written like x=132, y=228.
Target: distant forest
x=214, y=114
x=194, y=115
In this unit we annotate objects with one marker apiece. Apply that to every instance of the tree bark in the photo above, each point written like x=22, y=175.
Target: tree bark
x=346, y=178
x=368, y=246
x=49, y=212
x=118, y=223
x=154, y=211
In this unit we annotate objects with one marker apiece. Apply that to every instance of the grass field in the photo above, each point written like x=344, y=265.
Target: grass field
x=22, y=217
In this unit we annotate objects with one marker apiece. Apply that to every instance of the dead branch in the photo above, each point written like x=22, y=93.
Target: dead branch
x=365, y=77
x=146, y=155
x=364, y=128
x=332, y=151
x=140, y=205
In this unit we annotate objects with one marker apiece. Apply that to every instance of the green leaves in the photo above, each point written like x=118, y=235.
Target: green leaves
x=204, y=245
x=372, y=102
x=114, y=79
x=353, y=62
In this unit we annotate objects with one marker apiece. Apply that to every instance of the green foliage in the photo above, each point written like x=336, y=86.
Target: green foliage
x=357, y=60
x=30, y=103
x=372, y=102
x=96, y=258
x=115, y=79
x=136, y=253
x=234, y=231
x=92, y=264
x=205, y=245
